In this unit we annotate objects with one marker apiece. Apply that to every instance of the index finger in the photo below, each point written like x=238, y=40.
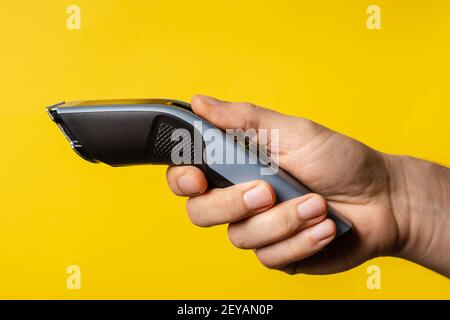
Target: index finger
x=186, y=181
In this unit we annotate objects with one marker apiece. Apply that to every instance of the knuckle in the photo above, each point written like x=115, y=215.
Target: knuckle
x=265, y=259
x=305, y=121
x=250, y=110
x=289, y=221
x=310, y=126
x=194, y=215
x=232, y=202
x=294, y=251
x=232, y=209
x=236, y=237
x=248, y=105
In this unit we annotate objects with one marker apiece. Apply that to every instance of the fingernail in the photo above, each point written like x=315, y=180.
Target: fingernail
x=322, y=230
x=209, y=100
x=258, y=197
x=310, y=208
x=187, y=185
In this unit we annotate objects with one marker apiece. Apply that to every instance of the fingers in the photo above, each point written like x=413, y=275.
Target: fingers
x=298, y=247
x=186, y=180
x=342, y=255
x=278, y=223
x=284, y=234
x=231, y=204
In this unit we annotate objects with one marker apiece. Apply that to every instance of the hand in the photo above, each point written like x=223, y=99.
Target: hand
x=346, y=174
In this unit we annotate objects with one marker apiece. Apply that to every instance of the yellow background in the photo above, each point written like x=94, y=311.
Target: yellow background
x=129, y=235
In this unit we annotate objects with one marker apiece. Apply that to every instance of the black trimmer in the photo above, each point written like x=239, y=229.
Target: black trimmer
x=164, y=131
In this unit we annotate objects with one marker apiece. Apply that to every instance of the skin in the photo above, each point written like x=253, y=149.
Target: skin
x=399, y=206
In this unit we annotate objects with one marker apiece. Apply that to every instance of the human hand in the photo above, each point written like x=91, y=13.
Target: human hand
x=349, y=176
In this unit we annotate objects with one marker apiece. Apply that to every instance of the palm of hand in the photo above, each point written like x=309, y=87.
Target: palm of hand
x=354, y=180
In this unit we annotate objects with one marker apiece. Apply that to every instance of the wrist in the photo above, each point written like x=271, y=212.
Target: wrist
x=419, y=193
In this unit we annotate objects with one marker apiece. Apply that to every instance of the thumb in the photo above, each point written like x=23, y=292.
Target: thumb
x=236, y=115
x=294, y=132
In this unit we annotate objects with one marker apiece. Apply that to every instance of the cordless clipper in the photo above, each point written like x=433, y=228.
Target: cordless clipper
x=165, y=131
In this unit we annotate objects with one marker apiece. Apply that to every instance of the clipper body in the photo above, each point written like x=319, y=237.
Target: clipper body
x=129, y=132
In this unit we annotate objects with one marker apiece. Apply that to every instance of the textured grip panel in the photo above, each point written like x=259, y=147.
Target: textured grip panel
x=164, y=146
